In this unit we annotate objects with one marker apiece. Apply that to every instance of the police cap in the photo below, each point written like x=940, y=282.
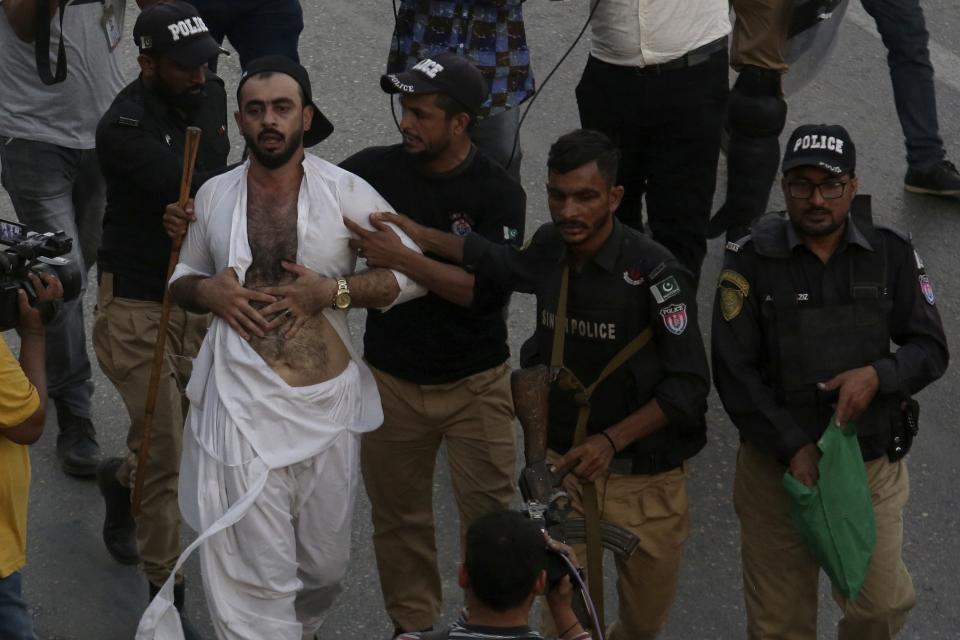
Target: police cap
x=175, y=30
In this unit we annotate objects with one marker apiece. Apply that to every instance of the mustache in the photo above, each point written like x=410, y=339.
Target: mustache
x=269, y=132
x=574, y=224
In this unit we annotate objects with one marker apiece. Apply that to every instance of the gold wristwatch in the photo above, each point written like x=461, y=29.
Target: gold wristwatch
x=342, y=299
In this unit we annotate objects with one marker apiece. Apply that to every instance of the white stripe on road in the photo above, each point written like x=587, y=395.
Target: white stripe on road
x=946, y=64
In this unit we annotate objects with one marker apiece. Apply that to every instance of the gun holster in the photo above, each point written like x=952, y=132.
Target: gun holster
x=908, y=427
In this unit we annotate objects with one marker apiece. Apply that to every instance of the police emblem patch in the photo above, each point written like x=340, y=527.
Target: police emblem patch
x=460, y=224
x=675, y=318
x=665, y=289
x=633, y=276
x=733, y=289
x=927, y=289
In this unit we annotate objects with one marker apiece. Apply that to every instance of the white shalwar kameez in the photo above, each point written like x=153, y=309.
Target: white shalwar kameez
x=269, y=471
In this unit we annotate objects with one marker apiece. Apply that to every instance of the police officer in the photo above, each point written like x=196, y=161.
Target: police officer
x=140, y=143
x=450, y=384
x=805, y=312
x=614, y=306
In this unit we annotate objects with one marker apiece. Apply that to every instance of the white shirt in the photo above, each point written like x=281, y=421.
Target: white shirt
x=637, y=33
x=252, y=393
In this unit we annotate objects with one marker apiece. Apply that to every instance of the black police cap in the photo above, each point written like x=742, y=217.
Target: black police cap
x=446, y=73
x=827, y=146
x=175, y=30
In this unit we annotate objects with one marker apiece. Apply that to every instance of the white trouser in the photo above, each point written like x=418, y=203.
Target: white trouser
x=275, y=542
x=275, y=573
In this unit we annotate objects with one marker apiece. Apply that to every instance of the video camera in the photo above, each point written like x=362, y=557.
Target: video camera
x=30, y=252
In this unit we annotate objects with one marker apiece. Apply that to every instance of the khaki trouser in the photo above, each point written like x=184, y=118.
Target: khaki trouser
x=654, y=508
x=124, y=334
x=760, y=34
x=474, y=417
x=780, y=574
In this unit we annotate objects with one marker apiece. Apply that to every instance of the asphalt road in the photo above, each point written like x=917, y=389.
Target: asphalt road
x=78, y=592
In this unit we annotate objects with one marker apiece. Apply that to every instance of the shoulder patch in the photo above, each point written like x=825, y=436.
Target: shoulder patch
x=675, y=318
x=733, y=289
x=657, y=270
x=128, y=122
x=927, y=289
x=665, y=289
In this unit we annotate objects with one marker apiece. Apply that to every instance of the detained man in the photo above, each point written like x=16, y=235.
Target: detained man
x=278, y=397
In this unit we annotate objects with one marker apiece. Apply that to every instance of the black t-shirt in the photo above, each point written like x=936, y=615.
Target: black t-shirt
x=140, y=144
x=430, y=340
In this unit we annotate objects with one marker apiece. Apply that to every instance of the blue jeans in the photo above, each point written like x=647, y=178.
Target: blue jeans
x=15, y=621
x=495, y=136
x=54, y=188
x=255, y=28
x=904, y=33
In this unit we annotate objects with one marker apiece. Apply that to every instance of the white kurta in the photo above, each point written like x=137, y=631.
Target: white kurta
x=244, y=419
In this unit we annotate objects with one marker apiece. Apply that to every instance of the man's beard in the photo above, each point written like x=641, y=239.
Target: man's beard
x=429, y=152
x=810, y=231
x=274, y=159
x=188, y=100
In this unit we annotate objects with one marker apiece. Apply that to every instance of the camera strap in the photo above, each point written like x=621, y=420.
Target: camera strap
x=42, y=44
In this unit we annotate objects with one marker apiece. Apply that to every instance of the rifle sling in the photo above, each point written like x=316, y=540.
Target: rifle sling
x=591, y=507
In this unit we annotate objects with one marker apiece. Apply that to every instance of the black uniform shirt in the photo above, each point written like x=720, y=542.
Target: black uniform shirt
x=630, y=284
x=741, y=362
x=140, y=144
x=430, y=340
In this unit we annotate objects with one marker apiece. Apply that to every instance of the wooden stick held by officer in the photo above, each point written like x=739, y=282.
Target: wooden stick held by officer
x=192, y=145
x=630, y=310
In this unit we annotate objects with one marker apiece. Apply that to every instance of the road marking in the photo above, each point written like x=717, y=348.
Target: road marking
x=946, y=64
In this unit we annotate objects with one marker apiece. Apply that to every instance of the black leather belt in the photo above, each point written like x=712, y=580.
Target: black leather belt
x=132, y=289
x=690, y=59
x=643, y=466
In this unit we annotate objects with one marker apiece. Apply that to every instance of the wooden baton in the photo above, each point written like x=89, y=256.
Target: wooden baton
x=191, y=145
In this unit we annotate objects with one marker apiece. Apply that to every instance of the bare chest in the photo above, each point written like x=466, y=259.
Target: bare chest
x=272, y=235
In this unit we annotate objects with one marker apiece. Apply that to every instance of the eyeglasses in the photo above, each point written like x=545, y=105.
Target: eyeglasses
x=830, y=190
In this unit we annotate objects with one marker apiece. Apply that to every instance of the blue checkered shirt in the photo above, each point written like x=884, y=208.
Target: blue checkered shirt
x=490, y=33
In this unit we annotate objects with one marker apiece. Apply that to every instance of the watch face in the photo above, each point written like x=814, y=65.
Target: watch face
x=342, y=301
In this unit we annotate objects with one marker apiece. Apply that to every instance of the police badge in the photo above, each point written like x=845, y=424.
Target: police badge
x=675, y=318
x=927, y=289
x=460, y=224
x=733, y=289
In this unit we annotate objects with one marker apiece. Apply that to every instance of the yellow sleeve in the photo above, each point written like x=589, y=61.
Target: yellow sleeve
x=18, y=397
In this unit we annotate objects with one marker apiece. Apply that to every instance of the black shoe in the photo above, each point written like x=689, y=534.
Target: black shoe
x=942, y=179
x=179, y=593
x=77, y=446
x=119, y=530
